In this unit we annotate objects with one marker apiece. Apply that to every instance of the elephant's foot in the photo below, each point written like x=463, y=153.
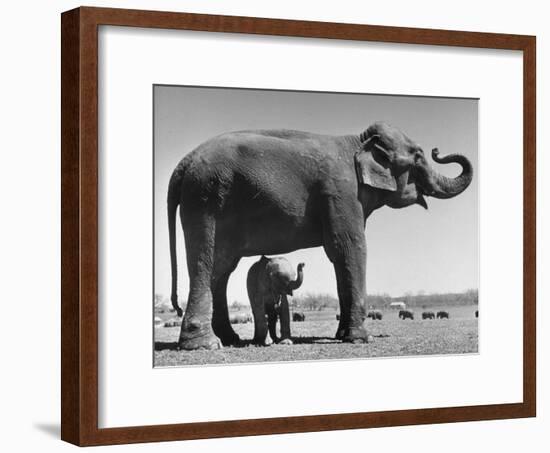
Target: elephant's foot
x=205, y=342
x=340, y=333
x=357, y=335
x=230, y=339
x=223, y=330
x=197, y=335
x=262, y=342
x=286, y=341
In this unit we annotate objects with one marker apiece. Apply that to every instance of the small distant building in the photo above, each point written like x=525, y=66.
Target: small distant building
x=398, y=305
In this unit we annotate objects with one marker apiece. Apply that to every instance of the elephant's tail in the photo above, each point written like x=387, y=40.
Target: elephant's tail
x=174, y=198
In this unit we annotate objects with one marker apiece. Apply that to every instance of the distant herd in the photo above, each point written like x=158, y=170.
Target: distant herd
x=375, y=315
x=408, y=314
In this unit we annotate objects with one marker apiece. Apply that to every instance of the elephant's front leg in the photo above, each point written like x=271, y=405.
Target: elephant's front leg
x=344, y=317
x=272, y=326
x=347, y=251
x=350, y=271
x=272, y=315
x=284, y=316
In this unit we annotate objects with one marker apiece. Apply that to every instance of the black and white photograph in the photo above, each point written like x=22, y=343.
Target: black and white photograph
x=297, y=225
x=275, y=226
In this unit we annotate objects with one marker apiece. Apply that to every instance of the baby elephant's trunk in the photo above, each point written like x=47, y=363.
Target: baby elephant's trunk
x=295, y=284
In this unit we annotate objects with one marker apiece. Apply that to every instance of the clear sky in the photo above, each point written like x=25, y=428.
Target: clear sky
x=409, y=250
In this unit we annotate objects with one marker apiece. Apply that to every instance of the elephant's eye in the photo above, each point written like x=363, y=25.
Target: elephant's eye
x=419, y=156
x=417, y=152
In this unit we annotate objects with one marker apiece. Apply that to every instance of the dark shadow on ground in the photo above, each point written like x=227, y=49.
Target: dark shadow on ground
x=314, y=340
x=325, y=340
x=295, y=340
x=166, y=345
x=173, y=345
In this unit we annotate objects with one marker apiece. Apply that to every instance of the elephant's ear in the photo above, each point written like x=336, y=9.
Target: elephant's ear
x=371, y=172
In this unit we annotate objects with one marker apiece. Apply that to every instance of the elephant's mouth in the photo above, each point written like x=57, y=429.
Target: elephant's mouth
x=422, y=183
x=421, y=200
x=422, y=190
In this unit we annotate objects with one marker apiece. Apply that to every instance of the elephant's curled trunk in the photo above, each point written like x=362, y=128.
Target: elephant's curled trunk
x=444, y=187
x=295, y=284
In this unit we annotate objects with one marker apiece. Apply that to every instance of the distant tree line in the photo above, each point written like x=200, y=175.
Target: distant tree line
x=318, y=302
x=322, y=301
x=314, y=302
x=468, y=297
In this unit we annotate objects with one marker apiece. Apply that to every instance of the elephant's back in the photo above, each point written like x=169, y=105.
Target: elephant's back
x=270, y=168
x=245, y=149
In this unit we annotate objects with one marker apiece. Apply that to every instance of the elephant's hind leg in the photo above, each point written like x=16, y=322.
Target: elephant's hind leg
x=196, y=328
x=220, y=317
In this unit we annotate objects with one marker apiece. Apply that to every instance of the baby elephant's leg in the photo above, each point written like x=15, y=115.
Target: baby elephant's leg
x=284, y=312
x=272, y=316
x=260, y=324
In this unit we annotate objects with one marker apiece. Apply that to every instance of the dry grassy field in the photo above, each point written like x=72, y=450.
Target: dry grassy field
x=314, y=339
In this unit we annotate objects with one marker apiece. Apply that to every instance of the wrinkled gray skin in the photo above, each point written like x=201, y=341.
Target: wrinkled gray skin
x=269, y=281
x=275, y=191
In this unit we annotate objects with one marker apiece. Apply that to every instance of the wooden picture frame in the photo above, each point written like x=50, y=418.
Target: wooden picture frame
x=79, y=302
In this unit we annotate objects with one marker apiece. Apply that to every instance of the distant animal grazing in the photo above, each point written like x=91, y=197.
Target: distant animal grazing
x=428, y=315
x=240, y=318
x=375, y=315
x=477, y=313
x=298, y=316
x=442, y=314
x=406, y=314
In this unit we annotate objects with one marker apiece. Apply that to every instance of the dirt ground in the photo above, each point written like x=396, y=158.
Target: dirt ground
x=314, y=340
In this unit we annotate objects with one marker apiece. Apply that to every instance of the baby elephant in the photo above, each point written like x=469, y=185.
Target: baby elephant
x=269, y=282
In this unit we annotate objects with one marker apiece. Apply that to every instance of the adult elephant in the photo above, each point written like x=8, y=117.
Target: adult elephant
x=268, y=282
x=406, y=314
x=428, y=315
x=275, y=191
